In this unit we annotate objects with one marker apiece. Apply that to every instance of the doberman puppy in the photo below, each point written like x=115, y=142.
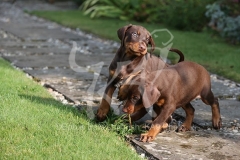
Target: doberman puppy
x=134, y=43
x=133, y=68
x=169, y=89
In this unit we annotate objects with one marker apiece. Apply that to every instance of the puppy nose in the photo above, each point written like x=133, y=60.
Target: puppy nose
x=124, y=110
x=142, y=47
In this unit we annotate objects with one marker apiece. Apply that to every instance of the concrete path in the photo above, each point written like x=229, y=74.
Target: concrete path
x=75, y=64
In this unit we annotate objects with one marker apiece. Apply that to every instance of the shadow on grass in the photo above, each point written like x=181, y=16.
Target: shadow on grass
x=80, y=112
x=77, y=111
x=115, y=123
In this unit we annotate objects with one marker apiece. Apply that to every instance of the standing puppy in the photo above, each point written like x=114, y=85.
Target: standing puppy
x=169, y=89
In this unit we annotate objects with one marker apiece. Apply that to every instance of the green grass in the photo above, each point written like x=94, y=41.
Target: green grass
x=35, y=126
x=212, y=52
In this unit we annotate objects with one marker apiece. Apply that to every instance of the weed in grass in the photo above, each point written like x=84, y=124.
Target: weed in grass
x=120, y=124
x=115, y=123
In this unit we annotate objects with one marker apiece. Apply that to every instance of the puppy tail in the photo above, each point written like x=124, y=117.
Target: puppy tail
x=179, y=53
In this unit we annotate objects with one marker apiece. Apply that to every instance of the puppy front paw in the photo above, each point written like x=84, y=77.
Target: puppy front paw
x=151, y=134
x=217, y=123
x=101, y=115
x=146, y=138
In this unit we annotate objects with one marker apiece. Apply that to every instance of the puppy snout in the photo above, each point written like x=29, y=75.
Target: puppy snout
x=128, y=108
x=125, y=110
x=142, y=47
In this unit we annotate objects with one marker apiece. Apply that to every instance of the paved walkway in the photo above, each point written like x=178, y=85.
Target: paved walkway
x=75, y=64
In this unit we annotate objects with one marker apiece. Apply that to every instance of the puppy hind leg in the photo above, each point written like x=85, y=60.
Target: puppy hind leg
x=209, y=99
x=216, y=117
x=186, y=126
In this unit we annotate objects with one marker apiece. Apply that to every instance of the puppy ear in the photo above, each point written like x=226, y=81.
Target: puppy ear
x=151, y=42
x=150, y=96
x=121, y=32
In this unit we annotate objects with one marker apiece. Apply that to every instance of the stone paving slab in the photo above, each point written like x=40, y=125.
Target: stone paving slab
x=26, y=22
x=77, y=93
x=224, y=88
x=56, y=60
x=72, y=84
x=38, y=5
x=193, y=145
x=97, y=47
x=26, y=44
x=5, y=36
x=37, y=33
x=22, y=51
x=52, y=74
x=57, y=72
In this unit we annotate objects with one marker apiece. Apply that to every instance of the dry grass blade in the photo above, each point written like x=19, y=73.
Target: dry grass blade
x=129, y=119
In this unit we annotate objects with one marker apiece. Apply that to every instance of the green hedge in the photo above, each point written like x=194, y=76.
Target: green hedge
x=180, y=14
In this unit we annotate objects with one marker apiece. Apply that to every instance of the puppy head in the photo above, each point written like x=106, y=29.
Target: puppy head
x=132, y=100
x=138, y=96
x=127, y=82
x=135, y=39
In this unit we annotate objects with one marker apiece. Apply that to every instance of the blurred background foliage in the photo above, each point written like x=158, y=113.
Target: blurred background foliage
x=225, y=18
x=222, y=16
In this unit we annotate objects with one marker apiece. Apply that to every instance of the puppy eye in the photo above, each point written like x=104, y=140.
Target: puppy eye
x=135, y=97
x=147, y=39
x=134, y=34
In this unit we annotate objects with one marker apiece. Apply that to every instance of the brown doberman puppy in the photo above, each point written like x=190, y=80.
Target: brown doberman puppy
x=134, y=42
x=133, y=68
x=169, y=89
